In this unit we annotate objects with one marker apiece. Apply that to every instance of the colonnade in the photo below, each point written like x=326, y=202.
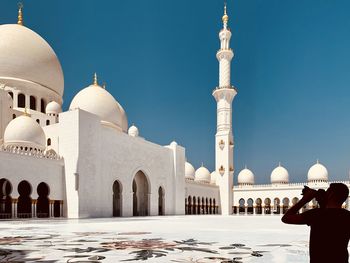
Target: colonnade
x=200, y=206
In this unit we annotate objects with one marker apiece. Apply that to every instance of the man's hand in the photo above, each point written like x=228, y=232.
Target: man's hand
x=292, y=216
x=308, y=194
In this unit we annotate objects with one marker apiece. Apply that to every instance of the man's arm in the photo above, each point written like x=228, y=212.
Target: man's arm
x=292, y=216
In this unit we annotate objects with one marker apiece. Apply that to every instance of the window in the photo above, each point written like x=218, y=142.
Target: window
x=38, y=121
x=48, y=142
x=47, y=122
x=21, y=100
x=32, y=103
x=42, y=106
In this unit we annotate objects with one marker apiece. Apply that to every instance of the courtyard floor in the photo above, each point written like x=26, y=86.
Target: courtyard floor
x=209, y=238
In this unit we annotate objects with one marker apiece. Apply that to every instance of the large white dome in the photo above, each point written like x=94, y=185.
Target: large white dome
x=279, y=175
x=189, y=171
x=317, y=173
x=26, y=56
x=202, y=175
x=100, y=102
x=26, y=132
x=245, y=177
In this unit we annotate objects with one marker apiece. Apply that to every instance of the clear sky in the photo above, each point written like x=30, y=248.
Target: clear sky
x=291, y=69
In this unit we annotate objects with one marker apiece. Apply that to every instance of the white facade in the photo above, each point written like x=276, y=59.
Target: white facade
x=87, y=161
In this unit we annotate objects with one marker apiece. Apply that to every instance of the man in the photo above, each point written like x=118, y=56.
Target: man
x=330, y=224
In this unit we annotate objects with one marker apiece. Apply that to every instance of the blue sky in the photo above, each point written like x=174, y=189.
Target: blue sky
x=291, y=69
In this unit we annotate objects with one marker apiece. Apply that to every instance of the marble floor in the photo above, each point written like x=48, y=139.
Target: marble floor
x=201, y=239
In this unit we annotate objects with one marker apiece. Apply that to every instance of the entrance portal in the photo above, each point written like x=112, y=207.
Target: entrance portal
x=140, y=190
x=117, y=198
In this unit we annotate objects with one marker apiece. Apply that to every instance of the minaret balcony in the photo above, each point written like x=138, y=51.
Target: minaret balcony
x=226, y=53
x=225, y=87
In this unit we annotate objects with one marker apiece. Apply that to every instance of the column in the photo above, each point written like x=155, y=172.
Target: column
x=14, y=208
x=38, y=104
x=27, y=102
x=34, y=208
x=51, y=208
x=15, y=98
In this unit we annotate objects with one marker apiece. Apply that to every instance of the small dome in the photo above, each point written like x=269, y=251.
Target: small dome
x=53, y=108
x=202, y=175
x=100, y=102
x=317, y=173
x=24, y=55
x=173, y=143
x=24, y=131
x=133, y=131
x=245, y=177
x=213, y=177
x=189, y=171
x=279, y=175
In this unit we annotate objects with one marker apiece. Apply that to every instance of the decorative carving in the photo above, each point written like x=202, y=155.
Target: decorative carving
x=221, y=170
x=221, y=144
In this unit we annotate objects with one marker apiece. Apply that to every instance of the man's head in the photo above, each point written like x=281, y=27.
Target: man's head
x=337, y=193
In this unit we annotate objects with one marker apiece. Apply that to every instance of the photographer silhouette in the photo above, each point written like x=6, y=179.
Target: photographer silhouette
x=330, y=224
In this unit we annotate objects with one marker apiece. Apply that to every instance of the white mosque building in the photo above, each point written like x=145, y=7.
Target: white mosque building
x=88, y=162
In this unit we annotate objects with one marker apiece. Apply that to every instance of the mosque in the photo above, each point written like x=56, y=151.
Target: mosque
x=88, y=162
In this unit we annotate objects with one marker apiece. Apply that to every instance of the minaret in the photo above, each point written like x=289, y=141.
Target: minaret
x=224, y=95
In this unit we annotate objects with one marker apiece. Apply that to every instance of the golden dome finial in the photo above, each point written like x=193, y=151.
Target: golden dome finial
x=20, y=17
x=95, y=79
x=26, y=112
x=104, y=85
x=225, y=16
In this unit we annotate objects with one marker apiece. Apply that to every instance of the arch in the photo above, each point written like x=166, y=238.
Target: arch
x=14, y=116
x=250, y=203
x=24, y=206
x=38, y=121
x=5, y=198
x=140, y=187
x=241, y=206
x=32, y=103
x=48, y=141
x=117, y=198
x=189, y=205
x=258, y=208
x=285, y=205
x=43, y=204
x=295, y=200
x=11, y=94
x=21, y=102
x=267, y=203
x=47, y=122
x=161, y=201
x=194, y=206
x=276, y=206
x=43, y=105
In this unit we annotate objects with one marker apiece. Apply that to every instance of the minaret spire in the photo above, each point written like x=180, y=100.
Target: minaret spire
x=20, y=17
x=225, y=16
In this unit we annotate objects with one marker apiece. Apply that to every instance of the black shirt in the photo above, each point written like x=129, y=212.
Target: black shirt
x=329, y=235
